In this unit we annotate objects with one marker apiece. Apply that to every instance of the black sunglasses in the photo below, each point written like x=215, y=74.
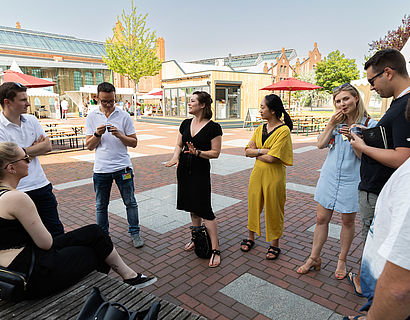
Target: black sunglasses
x=371, y=80
x=345, y=85
x=25, y=158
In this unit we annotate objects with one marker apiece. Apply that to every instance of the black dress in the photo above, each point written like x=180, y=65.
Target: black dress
x=193, y=173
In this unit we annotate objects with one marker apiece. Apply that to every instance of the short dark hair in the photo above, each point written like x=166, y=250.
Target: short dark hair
x=105, y=87
x=8, y=90
x=205, y=98
x=391, y=58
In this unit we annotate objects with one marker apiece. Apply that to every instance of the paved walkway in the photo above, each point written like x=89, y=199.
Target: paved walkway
x=246, y=285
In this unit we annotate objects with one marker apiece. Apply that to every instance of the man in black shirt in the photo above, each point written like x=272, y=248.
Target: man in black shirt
x=387, y=75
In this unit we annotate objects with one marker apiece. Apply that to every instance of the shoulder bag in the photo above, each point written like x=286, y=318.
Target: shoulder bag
x=96, y=307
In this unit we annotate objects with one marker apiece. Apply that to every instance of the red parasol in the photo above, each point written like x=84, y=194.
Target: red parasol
x=158, y=93
x=26, y=80
x=291, y=84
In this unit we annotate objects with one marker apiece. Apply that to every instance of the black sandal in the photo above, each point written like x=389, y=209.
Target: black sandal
x=273, y=250
x=248, y=243
x=214, y=252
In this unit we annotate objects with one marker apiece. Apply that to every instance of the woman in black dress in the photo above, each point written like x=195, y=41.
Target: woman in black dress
x=199, y=139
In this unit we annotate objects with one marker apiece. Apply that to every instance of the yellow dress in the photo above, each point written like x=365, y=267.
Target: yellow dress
x=267, y=183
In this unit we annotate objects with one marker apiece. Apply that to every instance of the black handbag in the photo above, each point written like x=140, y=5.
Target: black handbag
x=202, y=242
x=13, y=284
x=96, y=307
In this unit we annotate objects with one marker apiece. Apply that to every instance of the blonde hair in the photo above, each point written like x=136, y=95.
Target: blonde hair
x=360, y=108
x=8, y=153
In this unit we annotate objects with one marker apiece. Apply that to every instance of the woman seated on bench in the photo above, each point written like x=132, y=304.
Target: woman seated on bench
x=59, y=262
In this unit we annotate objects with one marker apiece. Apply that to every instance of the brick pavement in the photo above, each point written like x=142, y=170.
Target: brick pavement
x=185, y=279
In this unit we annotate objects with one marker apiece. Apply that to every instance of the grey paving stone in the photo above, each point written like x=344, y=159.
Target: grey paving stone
x=241, y=143
x=334, y=230
x=300, y=188
x=157, y=208
x=335, y=316
x=304, y=149
x=142, y=137
x=229, y=163
x=273, y=301
x=72, y=184
x=90, y=157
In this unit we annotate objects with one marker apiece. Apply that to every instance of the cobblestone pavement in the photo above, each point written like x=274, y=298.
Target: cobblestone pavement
x=246, y=285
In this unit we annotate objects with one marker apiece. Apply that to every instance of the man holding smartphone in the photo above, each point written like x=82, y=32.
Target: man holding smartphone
x=110, y=131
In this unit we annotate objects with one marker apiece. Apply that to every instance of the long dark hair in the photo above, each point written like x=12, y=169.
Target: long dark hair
x=274, y=103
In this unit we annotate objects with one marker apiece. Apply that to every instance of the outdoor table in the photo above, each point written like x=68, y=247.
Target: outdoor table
x=67, y=304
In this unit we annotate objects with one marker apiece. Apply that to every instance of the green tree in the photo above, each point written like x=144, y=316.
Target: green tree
x=335, y=70
x=309, y=97
x=132, y=49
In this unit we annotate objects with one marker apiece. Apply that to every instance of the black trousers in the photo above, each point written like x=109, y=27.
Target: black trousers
x=46, y=205
x=72, y=256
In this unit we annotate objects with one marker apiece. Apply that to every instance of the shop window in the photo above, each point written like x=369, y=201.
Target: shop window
x=78, y=80
x=36, y=73
x=89, y=78
x=99, y=77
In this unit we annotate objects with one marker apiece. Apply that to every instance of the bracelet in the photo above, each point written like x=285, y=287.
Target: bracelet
x=259, y=152
x=25, y=151
x=97, y=135
x=199, y=153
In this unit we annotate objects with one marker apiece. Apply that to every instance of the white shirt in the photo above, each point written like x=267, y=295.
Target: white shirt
x=24, y=136
x=389, y=235
x=64, y=104
x=111, y=154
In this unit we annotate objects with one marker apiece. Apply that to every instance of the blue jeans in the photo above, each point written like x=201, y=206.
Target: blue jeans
x=46, y=205
x=102, y=188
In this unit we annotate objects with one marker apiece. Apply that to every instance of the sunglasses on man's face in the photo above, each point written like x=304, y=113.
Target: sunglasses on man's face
x=371, y=80
x=25, y=158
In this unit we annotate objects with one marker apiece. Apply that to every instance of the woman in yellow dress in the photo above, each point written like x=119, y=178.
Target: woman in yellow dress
x=271, y=145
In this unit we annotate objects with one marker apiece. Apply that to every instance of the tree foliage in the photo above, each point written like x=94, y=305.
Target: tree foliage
x=132, y=49
x=335, y=70
x=309, y=97
x=393, y=39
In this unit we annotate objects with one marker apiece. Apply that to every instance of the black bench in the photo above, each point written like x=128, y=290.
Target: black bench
x=67, y=304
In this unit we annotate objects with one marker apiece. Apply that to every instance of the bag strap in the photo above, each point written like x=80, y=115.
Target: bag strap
x=367, y=121
x=33, y=258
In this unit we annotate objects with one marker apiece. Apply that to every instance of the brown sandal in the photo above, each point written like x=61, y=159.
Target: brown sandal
x=340, y=275
x=316, y=266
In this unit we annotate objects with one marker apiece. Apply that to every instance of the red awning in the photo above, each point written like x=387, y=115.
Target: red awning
x=26, y=80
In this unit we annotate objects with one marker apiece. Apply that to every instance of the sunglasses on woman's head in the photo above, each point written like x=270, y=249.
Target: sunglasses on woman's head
x=345, y=85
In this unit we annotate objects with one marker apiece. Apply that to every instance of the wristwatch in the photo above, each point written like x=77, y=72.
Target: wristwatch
x=97, y=135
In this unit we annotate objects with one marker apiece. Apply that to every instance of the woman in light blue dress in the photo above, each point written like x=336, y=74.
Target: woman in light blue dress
x=336, y=189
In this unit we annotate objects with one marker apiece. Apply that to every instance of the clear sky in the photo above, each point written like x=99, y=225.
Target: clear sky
x=205, y=29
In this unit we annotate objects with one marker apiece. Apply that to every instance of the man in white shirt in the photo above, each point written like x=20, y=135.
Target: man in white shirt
x=25, y=130
x=385, y=271
x=64, y=108
x=110, y=131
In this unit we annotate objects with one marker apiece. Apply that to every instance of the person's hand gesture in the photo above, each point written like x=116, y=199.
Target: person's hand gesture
x=41, y=138
x=345, y=130
x=101, y=129
x=172, y=162
x=336, y=118
x=357, y=143
x=114, y=131
x=191, y=149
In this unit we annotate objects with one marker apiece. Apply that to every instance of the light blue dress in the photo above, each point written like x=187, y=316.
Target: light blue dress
x=340, y=175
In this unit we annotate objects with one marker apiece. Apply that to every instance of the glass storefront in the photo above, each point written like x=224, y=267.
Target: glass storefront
x=227, y=102
x=176, y=100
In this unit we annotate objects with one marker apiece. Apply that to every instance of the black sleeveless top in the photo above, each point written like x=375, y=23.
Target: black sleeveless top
x=12, y=233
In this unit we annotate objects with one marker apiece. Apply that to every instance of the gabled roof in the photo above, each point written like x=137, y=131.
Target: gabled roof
x=34, y=41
